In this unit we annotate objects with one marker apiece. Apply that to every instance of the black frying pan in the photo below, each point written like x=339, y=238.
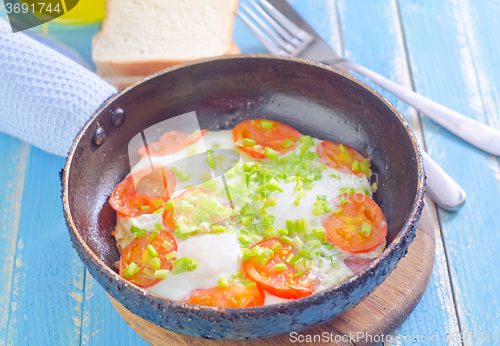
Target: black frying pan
x=312, y=98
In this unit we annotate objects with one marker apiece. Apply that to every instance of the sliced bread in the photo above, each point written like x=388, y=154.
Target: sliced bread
x=140, y=37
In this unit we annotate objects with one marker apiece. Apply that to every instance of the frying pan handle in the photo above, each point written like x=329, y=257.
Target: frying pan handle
x=45, y=98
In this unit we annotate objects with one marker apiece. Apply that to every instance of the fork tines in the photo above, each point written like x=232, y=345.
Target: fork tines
x=281, y=36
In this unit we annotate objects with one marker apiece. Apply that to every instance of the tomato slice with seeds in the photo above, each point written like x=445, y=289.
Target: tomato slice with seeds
x=137, y=252
x=232, y=296
x=126, y=199
x=280, y=283
x=342, y=158
x=265, y=133
x=170, y=142
x=343, y=229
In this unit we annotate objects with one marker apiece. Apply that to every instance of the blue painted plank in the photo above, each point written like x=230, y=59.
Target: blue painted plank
x=102, y=325
x=14, y=155
x=372, y=37
x=47, y=290
x=447, y=66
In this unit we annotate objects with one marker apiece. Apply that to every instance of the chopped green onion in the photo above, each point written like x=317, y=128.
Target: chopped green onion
x=338, y=211
x=268, y=220
x=351, y=191
x=310, y=156
x=267, y=125
x=366, y=230
x=174, y=169
x=158, y=211
x=343, y=200
x=362, y=167
x=289, y=226
x=280, y=267
x=306, y=140
x=152, y=251
x=327, y=207
x=210, y=185
x=286, y=239
x=145, y=207
x=314, y=243
x=334, y=176
x=271, y=154
x=167, y=245
x=153, y=235
x=321, y=197
x=299, y=196
x=223, y=282
x=169, y=205
x=287, y=143
x=141, y=233
x=218, y=229
x=222, y=157
x=355, y=166
x=247, y=142
x=147, y=272
x=131, y=270
x=161, y=274
x=367, y=193
x=343, y=190
x=282, y=232
x=245, y=240
x=155, y=263
x=296, y=275
x=277, y=247
x=250, y=284
x=170, y=256
x=342, y=148
x=205, y=176
x=158, y=202
x=184, y=264
x=319, y=232
x=297, y=242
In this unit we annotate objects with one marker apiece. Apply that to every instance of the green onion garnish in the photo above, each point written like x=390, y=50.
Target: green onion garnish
x=141, y=233
x=277, y=247
x=210, y=185
x=155, y=263
x=327, y=207
x=247, y=142
x=306, y=140
x=280, y=267
x=158, y=211
x=131, y=270
x=153, y=235
x=299, y=196
x=166, y=245
x=334, y=176
x=222, y=158
x=343, y=200
x=283, y=232
x=343, y=190
x=351, y=191
x=296, y=275
x=297, y=242
x=338, y=211
x=342, y=148
x=287, y=143
x=158, y=202
x=147, y=272
x=145, y=207
x=250, y=284
x=152, y=251
x=355, y=166
x=169, y=205
x=161, y=274
x=286, y=239
x=205, y=176
x=289, y=226
x=218, y=229
x=266, y=125
x=367, y=193
x=366, y=230
x=222, y=282
x=184, y=264
x=321, y=197
x=170, y=256
x=314, y=243
x=271, y=154
x=319, y=232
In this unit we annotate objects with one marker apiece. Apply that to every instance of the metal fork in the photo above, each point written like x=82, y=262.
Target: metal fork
x=281, y=36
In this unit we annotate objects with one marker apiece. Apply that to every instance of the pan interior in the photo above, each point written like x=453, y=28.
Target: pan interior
x=224, y=92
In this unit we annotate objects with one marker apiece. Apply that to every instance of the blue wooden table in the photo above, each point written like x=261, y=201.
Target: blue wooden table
x=447, y=50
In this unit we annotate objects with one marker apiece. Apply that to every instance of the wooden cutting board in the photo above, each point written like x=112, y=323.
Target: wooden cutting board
x=379, y=314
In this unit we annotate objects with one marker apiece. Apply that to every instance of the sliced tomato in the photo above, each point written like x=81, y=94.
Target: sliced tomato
x=343, y=228
x=280, y=283
x=264, y=137
x=170, y=142
x=342, y=158
x=232, y=296
x=126, y=199
x=137, y=252
x=356, y=264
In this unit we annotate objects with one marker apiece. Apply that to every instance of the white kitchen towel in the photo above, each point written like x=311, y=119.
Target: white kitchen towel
x=45, y=98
